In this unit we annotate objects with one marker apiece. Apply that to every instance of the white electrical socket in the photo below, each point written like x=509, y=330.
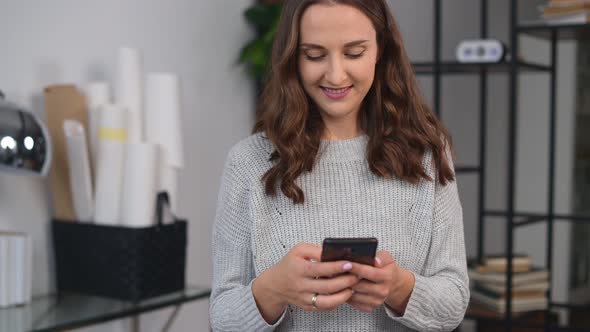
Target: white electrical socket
x=481, y=51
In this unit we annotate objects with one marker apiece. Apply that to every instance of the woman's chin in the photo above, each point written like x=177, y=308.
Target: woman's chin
x=337, y=113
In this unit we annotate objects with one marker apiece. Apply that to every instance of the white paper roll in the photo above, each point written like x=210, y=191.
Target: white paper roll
x=4, y=266
x=111, y=157
x=79, y=167
x=28, y=264
x=138, y=203
x=97, y=95
x=163, y=116
x=169, y=183
x=129, y=90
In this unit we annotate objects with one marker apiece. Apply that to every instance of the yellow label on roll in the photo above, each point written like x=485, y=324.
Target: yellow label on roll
x=110, y=134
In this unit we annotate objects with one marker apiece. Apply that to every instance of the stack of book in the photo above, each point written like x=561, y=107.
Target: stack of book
x=15, y=268
x=566, y=12
x=529, y=284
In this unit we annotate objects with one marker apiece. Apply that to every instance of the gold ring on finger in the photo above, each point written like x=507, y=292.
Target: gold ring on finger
x=314, y=300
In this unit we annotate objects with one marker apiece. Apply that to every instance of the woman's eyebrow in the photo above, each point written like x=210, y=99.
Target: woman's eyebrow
x=349, y=44
x=355, y=43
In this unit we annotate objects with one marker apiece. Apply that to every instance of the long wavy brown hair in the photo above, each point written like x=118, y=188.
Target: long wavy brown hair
x=400, y=125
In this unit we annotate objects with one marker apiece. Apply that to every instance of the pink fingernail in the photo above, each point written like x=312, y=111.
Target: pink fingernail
x=347, y=266
x=378, y=260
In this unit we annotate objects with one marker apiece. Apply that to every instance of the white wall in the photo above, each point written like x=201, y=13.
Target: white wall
x=67, y=41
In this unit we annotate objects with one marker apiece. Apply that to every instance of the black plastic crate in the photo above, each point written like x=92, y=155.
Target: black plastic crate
x=120, y=262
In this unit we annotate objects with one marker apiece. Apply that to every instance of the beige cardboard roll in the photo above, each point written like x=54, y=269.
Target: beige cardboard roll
x=163, y=116
x=111, y=158
x=62, y=102
x=138, y=203
x=97, y=95
x=129, y=90
x=79, y=166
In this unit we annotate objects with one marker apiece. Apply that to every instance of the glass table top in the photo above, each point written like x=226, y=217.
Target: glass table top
x=62, y=311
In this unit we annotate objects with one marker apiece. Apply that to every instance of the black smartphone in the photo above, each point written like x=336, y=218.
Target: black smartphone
x=360, y=250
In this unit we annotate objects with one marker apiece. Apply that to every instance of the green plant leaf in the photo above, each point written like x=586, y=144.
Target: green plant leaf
x=269, y=35
x=262, y=16
x=257, y=52
x=254, y=52
x=256, y=55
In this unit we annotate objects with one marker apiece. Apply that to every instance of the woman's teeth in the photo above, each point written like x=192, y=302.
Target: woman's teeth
x=335, y=90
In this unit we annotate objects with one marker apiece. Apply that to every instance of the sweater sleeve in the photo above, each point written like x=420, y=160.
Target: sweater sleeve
x=441, y=293
x=232, y=306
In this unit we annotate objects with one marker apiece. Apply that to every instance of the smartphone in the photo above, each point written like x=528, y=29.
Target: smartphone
x=360, y=250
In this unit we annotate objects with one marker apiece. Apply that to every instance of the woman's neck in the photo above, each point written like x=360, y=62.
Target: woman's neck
x=341, y=131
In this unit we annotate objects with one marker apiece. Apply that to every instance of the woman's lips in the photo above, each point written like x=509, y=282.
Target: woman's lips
x=336, y=93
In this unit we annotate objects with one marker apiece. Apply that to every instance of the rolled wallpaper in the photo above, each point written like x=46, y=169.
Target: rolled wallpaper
x=111, y=158
x=138, y=203
x=129, y=90
x=97, y=95
x=163, y=122
x=79, y=168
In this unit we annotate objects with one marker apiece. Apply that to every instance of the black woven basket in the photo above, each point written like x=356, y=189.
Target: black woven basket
x=120, y=262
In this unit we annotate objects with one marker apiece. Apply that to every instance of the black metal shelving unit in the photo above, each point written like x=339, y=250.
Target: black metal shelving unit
x=514, y=219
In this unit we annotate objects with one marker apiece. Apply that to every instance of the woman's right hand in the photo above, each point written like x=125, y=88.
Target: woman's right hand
x=298, y=277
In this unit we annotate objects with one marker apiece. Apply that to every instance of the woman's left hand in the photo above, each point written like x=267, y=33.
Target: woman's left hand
x=384, y=283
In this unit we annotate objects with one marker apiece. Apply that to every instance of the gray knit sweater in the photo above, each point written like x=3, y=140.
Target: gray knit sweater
x=420, y=225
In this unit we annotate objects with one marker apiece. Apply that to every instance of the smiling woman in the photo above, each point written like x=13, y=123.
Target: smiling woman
x=338, y=53
x=344, y=147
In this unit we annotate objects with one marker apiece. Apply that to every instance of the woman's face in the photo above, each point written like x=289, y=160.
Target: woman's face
x=337, y=56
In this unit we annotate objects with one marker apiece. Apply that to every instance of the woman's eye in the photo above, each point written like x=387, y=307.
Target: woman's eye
x=320, y=57
x=355, y=55
x=314, y=58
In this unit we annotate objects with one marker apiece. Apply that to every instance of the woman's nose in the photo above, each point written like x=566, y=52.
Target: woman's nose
x=336, y=73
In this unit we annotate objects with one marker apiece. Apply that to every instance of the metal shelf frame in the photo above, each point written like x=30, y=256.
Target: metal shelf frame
x=513, y=67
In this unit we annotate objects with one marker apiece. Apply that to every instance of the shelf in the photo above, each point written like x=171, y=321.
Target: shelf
x=454, y=67
x=526, y=218
x=524, y=320
x=520, y=219
x=467, y=169
x=477, y=311
x=571, y=306
x=563, y=32
x=69, y=311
